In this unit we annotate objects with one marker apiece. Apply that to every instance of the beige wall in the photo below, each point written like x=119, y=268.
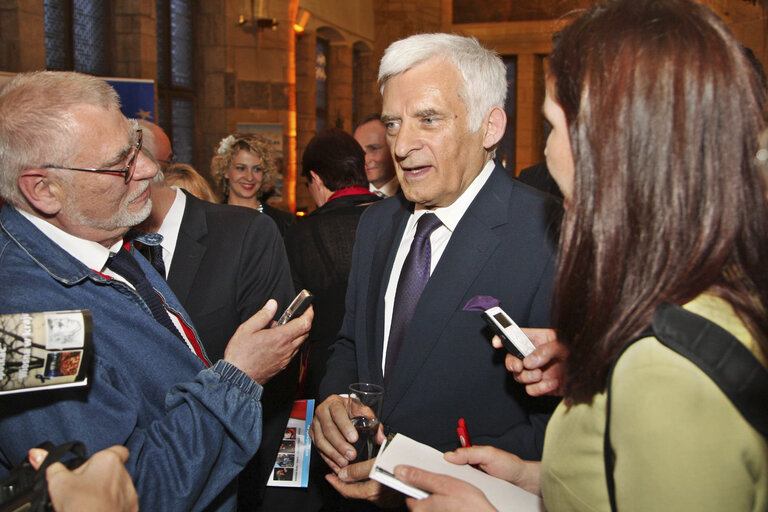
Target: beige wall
x=530, y=41
x=241, y=71
x=22, y=35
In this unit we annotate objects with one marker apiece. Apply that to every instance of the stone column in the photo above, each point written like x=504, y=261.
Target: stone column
x=134, y=40
x=368, y=98
x=22, y=35
x=340, y=86
x=305, y=109
x=214, y=87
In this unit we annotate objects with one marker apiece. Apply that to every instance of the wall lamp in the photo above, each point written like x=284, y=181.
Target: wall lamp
x=302, y=18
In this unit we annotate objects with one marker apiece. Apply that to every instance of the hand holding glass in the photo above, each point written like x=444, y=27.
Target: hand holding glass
x=363, y=408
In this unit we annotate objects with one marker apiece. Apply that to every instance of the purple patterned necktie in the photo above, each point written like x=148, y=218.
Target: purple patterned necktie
x=413, y=278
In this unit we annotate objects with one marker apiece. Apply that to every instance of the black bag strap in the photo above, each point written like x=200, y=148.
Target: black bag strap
x=721, y=356
x=27, y=489
x=42, y=503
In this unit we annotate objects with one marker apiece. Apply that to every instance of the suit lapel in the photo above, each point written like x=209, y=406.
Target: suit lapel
x=388, y=239
x=465, y=257
x=189, y=252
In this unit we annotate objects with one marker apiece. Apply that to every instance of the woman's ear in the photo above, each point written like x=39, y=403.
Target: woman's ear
x=495, y=125
x=41, y=191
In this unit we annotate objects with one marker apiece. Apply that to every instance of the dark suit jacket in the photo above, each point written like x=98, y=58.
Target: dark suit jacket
x=228, y=261
x=447, y=368
x=538, y=176
x=283, y=220
x=320, y=253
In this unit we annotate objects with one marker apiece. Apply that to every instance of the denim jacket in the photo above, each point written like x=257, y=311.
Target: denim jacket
x=190, y=429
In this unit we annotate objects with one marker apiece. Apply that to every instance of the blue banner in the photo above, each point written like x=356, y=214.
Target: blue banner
x=137, y=97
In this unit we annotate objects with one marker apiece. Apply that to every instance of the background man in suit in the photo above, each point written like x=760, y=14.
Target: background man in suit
x=443, y=98
x=224, y=263
x=538, y=176
x=158, y=144
x=379, y=167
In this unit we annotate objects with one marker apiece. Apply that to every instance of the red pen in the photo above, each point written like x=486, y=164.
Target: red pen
x=463, y=433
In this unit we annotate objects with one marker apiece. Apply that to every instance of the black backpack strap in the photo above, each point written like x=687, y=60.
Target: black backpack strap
x=722, y=357
x=726, y=360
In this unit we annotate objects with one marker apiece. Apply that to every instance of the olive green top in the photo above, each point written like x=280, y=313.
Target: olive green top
x=680, y=444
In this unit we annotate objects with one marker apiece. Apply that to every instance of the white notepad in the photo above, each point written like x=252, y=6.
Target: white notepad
x=404, y=450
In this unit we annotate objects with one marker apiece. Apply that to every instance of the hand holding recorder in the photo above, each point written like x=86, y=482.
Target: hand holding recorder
x=261, y=352
x=535, y=357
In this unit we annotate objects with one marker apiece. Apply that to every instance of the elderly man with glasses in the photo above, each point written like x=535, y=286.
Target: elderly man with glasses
x=74, y=180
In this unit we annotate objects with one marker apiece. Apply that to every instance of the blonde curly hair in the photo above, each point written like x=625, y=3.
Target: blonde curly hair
x=228, y=148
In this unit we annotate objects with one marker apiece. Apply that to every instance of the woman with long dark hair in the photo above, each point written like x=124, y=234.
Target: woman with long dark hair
x=656, y=114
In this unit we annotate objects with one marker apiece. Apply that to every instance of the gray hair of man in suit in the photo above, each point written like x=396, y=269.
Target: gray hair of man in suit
x=443, y=109
x=162, y=194
x=484, y=73
x=157, y=144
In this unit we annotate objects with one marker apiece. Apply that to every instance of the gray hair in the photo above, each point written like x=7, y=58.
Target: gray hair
x=37, y=127
x=484, y=73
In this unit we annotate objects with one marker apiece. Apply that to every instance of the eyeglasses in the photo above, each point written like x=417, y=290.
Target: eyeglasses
x=172, y=159
x=128, y=170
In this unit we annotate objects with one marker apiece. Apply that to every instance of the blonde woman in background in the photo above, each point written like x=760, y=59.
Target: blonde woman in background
x=245, y=170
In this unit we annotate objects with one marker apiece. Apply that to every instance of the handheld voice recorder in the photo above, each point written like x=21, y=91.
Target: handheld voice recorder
x=512, y=337
x=297, y=307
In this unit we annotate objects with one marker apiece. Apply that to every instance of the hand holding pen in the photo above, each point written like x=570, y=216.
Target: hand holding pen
x=463, y=434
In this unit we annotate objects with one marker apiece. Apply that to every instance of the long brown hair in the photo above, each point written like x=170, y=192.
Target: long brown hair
x=663, y=116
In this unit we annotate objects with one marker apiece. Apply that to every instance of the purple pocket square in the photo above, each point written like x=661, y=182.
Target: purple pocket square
x=481, y=303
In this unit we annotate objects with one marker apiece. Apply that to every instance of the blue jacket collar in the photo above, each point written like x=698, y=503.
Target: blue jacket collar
x=50, y=256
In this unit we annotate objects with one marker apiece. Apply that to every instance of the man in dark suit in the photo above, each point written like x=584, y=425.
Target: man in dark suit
x=538, y=176
x=223, y=263
x=443, y=98
x=379, y=167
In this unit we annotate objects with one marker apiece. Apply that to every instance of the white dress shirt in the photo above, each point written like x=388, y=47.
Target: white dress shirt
x=389, y=189
x=450, y=217
x=94, y=256
x=91, y=254
x=170, y=228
